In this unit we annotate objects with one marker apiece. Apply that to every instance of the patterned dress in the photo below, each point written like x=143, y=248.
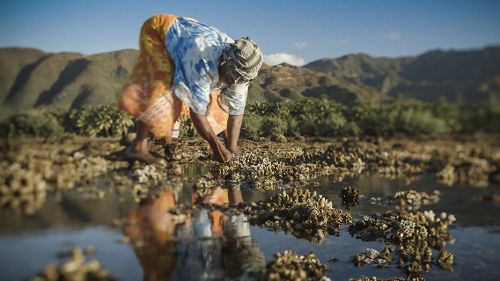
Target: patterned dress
x=177, y=69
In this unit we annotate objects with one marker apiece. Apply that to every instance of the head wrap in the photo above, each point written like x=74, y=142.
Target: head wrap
x=242, y=59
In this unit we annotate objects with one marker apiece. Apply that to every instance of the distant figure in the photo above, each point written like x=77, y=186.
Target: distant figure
x=187, y=66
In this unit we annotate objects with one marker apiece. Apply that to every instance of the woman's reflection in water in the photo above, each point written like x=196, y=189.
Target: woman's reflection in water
x=200, y=245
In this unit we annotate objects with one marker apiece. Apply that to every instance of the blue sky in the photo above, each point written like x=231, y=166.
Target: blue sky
x=297, y=31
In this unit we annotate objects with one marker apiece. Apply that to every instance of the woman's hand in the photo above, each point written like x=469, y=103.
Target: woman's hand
x=217, y=196
x=200, y=122
x=222, y=154
x=235, y=150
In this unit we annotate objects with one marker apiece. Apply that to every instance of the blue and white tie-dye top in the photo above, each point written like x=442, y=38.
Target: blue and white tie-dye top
x=195, y=49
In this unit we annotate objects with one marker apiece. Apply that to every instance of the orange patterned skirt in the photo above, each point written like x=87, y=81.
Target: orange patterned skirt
x=148, y=93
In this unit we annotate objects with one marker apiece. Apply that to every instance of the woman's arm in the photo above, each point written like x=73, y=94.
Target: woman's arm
x=233, y=133
x=203, y=128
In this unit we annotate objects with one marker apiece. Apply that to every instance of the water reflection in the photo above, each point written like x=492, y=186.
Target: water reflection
x=203, y=244
x=464, y=201
x=168, y=246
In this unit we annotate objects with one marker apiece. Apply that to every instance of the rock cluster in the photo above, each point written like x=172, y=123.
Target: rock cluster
x=468, y=166
x=414, y=234
x=139, y=192
x=74, y=269
x=270, y=165
x=445, y=260
x=349, y=196
x=203, y=186
x=22, y=189
x=353, y=157
x=408, y=200
x=372, y=256
x=33, y=169
x=373, y=278
x=148, y=174
x=266, y=170
x=290, y=266
x=472, y=171
x=61, y=166
x=258, y=171
x=301, y=212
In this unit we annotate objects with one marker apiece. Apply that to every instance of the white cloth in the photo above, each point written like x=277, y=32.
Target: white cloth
x=195, y=49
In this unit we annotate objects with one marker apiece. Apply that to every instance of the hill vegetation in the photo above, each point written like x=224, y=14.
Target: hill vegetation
x=309, y=117
x=46, y=95
x=31, y=78
x=473, y=76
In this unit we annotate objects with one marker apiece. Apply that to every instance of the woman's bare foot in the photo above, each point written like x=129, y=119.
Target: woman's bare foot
x=143, y=156
x=138, y=150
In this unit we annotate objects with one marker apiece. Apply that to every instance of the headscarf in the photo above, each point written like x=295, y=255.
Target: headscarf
x=242, y=60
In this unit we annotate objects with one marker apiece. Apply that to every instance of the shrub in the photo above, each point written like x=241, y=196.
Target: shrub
x=317, y=117
x=307, y=117
x=106, y=121
x=373, y=120
x=450, y=112
x=482, y=118
x=32, y=124
x=273, y=125
x=416, y=122
x=352, y=129
x=293, y=128
x=251, y=125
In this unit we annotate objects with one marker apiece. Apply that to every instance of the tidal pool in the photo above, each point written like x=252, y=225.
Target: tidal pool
x=212, y=246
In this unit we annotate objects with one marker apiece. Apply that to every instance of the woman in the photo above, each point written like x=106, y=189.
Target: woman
x=187, y=66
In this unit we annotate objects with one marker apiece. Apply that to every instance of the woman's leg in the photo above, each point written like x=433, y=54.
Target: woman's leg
x=148, y=87
x=139, y=150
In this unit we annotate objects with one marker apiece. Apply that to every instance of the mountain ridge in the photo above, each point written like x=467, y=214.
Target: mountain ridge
x=32, y=78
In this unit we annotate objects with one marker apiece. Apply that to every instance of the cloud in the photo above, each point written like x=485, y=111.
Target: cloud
x=277, y=58
x=393, y=35
x=300, y=46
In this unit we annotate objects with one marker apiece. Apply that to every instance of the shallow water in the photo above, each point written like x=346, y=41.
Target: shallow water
x=209, y=245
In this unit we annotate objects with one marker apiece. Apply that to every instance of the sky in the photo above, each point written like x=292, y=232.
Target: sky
x=296, y=32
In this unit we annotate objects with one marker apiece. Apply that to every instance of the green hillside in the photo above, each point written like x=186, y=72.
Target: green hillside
x=473, y=75
x=64, y=80
x=31, y=78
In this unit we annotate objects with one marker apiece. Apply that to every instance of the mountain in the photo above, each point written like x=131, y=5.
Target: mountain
x=285, y=81
x=474, y=74
x=32, y=78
